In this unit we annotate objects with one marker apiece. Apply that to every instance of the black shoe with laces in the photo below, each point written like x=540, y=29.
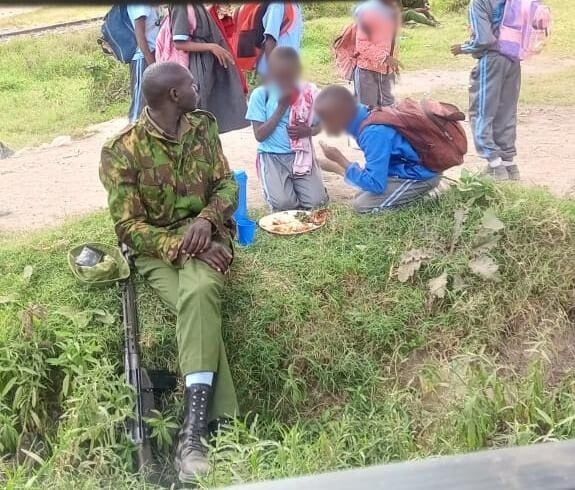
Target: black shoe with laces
x=192, y=451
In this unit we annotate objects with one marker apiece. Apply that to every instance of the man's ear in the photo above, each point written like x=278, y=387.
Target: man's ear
x=173, y=94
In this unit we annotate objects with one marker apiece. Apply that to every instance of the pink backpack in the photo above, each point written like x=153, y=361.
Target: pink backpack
x=165, y=47
x=525, y=28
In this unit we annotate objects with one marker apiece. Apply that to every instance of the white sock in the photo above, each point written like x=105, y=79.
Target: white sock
x=508, y=163
x=495, y=163
x=202, y=378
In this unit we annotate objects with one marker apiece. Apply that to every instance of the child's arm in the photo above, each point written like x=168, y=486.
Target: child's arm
x=140, y=31
x=262, y=130
x=483, y=37
x=272, y=22
x=373, y=176
x=257, y=113
x=303, y=131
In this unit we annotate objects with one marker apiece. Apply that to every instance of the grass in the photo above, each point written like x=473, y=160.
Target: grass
x=75, y=85
x=45, y=87
x=53, y=14
x=341, y=364
x=549, y=90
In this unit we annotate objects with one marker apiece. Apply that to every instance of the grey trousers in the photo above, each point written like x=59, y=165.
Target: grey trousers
x=283, y=190
x=374, y=89
x=137, y=68
x=493, y=96
x=399, y=192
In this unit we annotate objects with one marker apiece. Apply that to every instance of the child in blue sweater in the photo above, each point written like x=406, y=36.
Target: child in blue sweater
x=393, y=174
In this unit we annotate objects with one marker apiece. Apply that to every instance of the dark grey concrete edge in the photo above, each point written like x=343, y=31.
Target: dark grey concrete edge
x=549, y=466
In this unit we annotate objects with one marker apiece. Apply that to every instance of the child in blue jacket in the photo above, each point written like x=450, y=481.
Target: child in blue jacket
x=392, y=175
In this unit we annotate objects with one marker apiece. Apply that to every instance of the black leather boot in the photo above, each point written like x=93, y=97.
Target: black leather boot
x=192, y=451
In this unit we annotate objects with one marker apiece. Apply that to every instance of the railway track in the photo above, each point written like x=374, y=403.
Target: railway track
x=54, y=28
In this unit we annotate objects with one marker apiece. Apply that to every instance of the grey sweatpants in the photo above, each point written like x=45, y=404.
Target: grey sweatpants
x=399, y=192
x=137, y=68
x=283, y=190
x=493, y=96
x=374, y=89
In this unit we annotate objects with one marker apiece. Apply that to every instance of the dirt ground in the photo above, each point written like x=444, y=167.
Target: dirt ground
x=41, y=187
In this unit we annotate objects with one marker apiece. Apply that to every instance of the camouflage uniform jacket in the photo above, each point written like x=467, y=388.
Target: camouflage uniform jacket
x=157, y=185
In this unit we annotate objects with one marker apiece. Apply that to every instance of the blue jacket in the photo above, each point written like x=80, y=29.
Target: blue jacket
x=387, y=154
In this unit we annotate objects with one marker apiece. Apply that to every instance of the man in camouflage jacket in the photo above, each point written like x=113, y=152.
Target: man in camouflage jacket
x=172, y=196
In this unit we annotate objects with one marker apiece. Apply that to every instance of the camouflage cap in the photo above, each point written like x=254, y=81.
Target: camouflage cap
x=112, y=268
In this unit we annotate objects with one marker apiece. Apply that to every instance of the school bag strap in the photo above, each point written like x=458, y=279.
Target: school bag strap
x=433, y=128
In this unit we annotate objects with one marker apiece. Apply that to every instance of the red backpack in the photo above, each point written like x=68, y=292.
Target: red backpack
x=249, y=35
x=433, y=128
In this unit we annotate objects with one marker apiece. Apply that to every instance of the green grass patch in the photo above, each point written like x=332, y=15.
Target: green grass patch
x=317, y=54
x=543, y=90
x=53, y=85
x=552, y=89
x=343, y=364
x=562, y=41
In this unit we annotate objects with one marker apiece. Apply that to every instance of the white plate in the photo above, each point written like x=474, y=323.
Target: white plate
x=286, y=223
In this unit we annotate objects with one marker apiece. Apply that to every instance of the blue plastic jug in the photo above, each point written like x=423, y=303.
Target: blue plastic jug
x=242, y=180
x=246, y=228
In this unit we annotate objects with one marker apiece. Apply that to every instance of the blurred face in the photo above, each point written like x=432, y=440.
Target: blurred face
x=185, y=95
x=284, y=73
x=334, y=118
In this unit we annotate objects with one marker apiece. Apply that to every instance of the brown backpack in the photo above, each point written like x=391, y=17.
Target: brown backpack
x=433, y=128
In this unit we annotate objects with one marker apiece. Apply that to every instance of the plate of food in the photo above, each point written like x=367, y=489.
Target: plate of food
x=294, y=222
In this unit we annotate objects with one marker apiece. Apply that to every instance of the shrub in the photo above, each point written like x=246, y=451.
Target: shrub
x=450, y=5
x=444, y=327
x=108, y=82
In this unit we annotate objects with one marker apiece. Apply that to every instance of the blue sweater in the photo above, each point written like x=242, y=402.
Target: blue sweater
x=387, y=154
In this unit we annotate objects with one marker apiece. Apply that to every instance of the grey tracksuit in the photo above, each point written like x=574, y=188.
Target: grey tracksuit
x=494, y=86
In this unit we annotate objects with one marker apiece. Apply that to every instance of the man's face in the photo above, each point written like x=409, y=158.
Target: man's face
x=187, y=93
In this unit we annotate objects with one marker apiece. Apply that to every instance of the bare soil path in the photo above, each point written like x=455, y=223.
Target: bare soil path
x=41, y=187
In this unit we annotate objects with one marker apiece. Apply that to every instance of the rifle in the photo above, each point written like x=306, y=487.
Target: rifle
x=136, y=376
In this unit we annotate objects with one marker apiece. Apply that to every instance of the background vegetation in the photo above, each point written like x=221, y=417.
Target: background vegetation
x=443, y=328
x=76, y=85
x=446, y=327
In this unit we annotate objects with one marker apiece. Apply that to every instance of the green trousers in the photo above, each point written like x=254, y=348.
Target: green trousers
x=193, y=294
x=412, y=15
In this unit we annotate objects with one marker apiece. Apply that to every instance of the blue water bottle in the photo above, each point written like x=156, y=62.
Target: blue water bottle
x=246, y=228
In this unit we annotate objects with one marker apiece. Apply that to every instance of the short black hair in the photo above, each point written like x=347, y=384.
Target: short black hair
x=159, y=78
